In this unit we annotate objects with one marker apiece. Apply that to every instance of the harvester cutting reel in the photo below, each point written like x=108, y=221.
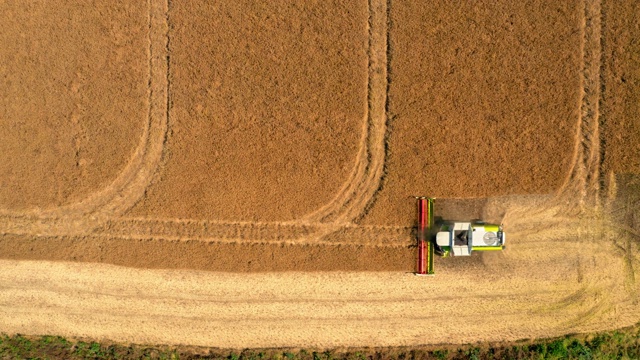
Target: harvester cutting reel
x=451, y=238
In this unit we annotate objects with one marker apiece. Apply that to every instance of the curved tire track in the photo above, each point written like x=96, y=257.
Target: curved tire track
x=254, y=232
x=130, y=185
x=584, y=176
x=366, y=177
x=581, y=188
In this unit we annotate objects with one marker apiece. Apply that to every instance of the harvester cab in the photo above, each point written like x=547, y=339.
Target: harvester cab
x=462, y=238
x=452, y=238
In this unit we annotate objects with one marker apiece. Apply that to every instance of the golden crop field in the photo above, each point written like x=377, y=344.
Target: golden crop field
x=241, y=173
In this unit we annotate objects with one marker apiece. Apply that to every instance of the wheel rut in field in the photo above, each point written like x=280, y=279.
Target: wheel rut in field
x=101, y=210
x=331, y=224
x=130, y=185
x=581, y=189
x=359, y=190
x=254, y=232
x=574, y=212
x=98, y=215
x=583, y=178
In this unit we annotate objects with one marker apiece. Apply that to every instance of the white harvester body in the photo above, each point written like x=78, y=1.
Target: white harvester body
x=462, y=238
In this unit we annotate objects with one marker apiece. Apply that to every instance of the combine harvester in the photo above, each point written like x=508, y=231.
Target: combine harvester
x=451, y=238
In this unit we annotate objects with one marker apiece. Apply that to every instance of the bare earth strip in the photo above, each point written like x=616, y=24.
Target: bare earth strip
x=226, y=256
x=312, y=309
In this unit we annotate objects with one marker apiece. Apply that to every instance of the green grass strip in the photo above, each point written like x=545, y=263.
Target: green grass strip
x=619, y=344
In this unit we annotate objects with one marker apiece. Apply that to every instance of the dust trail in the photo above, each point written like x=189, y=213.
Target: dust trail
x=130, y=185
x=573, y=216
x=365, y=179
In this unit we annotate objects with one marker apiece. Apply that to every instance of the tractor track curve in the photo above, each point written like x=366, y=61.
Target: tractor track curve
x=583, y=178
x=130, y=185
x=365, y=180
x=99, y=211
x=99, y=214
